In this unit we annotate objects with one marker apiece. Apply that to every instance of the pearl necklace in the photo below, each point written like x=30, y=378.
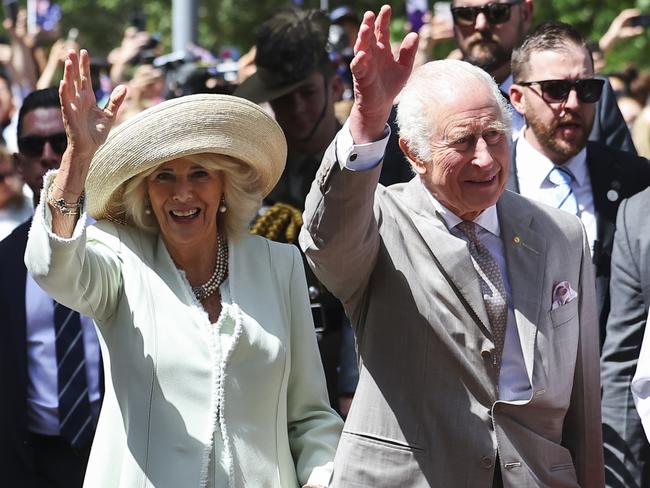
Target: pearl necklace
x=208, y=288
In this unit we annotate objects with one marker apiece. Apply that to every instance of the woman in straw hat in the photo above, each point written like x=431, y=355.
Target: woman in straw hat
x=213, y=376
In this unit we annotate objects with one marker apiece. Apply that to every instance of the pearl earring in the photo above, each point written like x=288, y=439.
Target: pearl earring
x=222, y=205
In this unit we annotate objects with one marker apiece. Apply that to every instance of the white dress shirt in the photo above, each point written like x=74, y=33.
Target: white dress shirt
x=513, y=378
x=532, y=171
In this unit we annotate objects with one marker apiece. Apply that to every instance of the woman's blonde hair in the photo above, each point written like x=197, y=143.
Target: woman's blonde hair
x=241, y=193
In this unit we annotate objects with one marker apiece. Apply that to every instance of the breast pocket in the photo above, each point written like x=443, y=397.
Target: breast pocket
x=564, y=313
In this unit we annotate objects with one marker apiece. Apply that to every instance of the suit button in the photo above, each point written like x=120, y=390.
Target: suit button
x=485, y=354
x=486, y=462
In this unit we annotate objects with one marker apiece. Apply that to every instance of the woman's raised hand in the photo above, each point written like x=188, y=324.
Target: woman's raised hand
x=86, y=124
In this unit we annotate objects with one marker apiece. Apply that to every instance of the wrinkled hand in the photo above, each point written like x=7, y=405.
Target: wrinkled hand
x=86, y=125
x=620, y=29
x=378, y=75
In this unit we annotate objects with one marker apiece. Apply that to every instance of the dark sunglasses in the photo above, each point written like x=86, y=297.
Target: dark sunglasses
x=495, y=13
x=588, y=90
x=32, y=146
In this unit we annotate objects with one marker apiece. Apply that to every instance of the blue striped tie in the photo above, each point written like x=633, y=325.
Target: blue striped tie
x=75, y=418
x=562, y=194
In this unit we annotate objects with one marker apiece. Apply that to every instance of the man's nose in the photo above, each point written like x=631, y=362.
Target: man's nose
x=572, y=102
x=482, y=155
x=49, y=157
x=481, y=23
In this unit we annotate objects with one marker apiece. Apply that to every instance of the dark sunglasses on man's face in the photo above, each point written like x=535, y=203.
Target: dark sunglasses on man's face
x=588, y=90
x=495, y=13
x=32, y=146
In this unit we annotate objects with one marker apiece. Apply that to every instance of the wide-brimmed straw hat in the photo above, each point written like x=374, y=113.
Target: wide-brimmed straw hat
x=194, y=124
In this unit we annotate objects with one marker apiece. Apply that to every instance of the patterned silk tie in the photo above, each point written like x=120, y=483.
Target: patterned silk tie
x=492, y=287
x=562, y=194
x=75, y=419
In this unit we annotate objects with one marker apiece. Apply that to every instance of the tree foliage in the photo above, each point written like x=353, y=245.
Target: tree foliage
x=234, y=22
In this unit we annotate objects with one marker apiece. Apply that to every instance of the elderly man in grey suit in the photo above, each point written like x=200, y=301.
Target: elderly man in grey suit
x=474, y=308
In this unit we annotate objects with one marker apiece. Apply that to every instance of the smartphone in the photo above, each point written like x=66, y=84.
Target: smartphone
x=11, y=10
x=642, y=20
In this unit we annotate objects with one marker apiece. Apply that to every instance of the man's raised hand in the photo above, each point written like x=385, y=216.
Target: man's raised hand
x=378, y=75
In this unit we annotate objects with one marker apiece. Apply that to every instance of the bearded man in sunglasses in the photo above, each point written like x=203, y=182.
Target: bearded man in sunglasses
x=487, y=31
x=553, y=162
x=48, y=355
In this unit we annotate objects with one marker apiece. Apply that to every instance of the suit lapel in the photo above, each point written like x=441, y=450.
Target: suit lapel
x=525, y=258
x=449, y=251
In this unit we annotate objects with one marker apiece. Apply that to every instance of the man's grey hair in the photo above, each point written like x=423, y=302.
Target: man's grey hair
x=430, y=84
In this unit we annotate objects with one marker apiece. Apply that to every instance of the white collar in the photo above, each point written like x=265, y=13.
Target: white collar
x=538, y=165
x=488, y=219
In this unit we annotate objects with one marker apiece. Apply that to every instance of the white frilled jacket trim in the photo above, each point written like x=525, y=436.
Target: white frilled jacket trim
x=218, y=400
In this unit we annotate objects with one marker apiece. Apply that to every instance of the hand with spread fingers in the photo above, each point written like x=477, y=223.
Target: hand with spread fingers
x=86, y=124
x=378, y=75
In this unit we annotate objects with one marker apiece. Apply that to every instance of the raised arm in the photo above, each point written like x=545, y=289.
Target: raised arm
x=340, y=234
x=87, y=127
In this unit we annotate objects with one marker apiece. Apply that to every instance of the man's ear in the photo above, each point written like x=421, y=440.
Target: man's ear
x=419, y=166
x=527, y=10
x=517, y=98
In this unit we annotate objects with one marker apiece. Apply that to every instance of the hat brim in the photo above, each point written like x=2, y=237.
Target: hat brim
x=194, y=124
x=255, y=90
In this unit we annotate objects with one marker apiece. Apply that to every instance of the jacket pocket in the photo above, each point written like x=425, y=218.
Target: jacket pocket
x=383, y=442
x=564, y=313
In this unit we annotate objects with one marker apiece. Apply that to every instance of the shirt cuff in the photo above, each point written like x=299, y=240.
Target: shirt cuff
x=359, y=157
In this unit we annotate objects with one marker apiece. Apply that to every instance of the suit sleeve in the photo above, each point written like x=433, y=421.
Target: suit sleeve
x=314, y=428
x=626, y=448
x=340, y=233
x=582, y=432
x=81, y=272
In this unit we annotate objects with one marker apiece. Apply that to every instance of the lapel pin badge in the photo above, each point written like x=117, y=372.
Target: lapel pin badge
x=516, y=239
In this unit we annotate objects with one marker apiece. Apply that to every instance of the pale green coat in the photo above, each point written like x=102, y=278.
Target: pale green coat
x=165, y=392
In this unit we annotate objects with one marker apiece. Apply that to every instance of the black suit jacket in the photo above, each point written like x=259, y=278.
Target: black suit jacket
x=614, y=175
x=16, y=464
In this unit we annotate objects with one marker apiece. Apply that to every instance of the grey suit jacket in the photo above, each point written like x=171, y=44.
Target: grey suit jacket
x=425, y=411
x=626, y=449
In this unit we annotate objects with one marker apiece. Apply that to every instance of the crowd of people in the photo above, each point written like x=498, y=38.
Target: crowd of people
x=332, y=261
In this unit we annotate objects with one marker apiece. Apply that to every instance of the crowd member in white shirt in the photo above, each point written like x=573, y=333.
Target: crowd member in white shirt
x=553, y=161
